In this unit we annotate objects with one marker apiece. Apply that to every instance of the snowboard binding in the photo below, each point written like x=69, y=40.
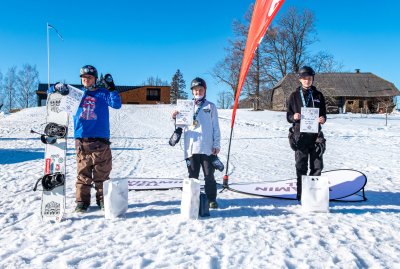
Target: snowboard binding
x=50, y=181
x=52, y=132
x=55, y=130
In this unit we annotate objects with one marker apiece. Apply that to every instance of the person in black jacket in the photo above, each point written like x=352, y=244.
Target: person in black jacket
x=307, y=146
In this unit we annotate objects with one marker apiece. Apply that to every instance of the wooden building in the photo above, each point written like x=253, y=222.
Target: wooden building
x=344, y=92
x=129, y=94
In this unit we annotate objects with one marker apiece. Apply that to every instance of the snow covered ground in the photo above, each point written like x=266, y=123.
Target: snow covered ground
x=246, y=232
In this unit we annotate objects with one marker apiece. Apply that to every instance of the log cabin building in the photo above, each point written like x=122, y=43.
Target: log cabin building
x=344, y=92
x=129, y=94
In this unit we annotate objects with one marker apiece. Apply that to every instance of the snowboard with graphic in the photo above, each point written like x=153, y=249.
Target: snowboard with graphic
x=53, y=182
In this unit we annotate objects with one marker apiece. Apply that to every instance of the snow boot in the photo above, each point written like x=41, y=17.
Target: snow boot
x=100, y=205
x=81, y=207
x=213, y=205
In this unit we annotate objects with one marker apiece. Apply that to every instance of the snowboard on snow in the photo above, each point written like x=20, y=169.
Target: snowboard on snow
x=54, y=174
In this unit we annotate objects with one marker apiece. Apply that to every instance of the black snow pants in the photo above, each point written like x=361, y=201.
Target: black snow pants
x=193, y=165
x=302, y=156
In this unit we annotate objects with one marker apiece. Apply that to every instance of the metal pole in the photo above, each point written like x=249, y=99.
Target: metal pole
x=225, y=182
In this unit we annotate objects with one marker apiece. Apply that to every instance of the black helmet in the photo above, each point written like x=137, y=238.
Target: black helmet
x=89, y=70
x=306, y=71
x=198, y=82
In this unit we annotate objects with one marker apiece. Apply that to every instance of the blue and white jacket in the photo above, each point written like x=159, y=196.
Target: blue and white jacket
x=206, y=135
x=92, y=118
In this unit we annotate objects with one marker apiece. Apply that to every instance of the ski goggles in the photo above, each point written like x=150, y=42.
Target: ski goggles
x=88, y=70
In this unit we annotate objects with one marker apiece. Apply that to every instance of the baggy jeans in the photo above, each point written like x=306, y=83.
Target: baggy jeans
x=94, y=164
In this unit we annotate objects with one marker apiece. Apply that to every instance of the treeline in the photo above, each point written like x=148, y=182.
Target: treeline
x=18, y=88
x=284, y=49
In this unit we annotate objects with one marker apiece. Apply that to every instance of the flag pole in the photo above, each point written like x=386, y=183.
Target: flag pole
x=48, y=56
x=264, y=12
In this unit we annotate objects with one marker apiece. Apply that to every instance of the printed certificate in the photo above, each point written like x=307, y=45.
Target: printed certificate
x=186, y=112
x=70, y=103
x=309, y=120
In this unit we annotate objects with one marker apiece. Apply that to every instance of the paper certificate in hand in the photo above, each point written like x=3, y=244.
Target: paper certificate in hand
x=186, y=112
x=309, y=120
x=70, y=103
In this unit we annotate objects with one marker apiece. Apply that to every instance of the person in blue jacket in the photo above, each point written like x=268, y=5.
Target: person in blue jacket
x=92, y=135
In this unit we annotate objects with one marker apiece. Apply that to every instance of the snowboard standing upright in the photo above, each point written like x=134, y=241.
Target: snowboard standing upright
x=53, y=182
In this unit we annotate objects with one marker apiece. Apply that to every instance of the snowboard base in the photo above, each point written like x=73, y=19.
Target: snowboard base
x=53, y=204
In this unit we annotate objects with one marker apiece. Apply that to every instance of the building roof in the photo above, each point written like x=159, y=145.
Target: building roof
x=42, y=88
x=344, y=84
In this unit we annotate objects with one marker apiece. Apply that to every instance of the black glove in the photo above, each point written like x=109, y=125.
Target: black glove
x=175, y=137
x=216, y=163
x=61, y=88
x=109, y=82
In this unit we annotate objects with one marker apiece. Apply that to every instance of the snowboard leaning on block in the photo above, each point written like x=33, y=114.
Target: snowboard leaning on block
x=55, y=139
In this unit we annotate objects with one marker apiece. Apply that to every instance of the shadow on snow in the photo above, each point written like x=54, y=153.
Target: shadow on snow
x=11, y=156
x=378, y=202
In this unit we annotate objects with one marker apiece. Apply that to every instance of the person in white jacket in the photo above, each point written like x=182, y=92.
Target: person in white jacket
x=202, y=139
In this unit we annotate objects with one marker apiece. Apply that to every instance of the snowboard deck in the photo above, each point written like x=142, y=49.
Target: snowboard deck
x=53, y=201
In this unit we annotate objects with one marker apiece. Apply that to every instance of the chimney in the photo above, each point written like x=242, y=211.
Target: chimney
x=358, y=71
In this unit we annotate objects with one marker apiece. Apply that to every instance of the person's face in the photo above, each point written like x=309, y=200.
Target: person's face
x=306, y=81
x=198, y=91
x=88, y=80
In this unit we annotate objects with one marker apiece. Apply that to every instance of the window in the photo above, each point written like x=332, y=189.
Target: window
x=153, y=94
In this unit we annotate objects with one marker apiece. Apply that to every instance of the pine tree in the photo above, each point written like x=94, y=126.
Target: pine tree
x=178, y=86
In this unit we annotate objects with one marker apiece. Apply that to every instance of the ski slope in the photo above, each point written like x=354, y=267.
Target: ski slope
x=246, y=232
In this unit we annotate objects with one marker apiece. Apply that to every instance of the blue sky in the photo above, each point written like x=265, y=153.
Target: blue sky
x=134, y=40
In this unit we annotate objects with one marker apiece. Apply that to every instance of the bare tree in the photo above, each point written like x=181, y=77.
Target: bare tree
x=27, y=82
x=283, y=50
x=227, y=70
x=300, y=33
x=10, y=86
x=384, y=105
x=155, y=81
x=276, y=44
x=225, y=100
x=287, y=42
x=324, y=62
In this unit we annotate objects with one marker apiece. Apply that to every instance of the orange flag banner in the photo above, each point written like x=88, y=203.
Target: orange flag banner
x=263, y=14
